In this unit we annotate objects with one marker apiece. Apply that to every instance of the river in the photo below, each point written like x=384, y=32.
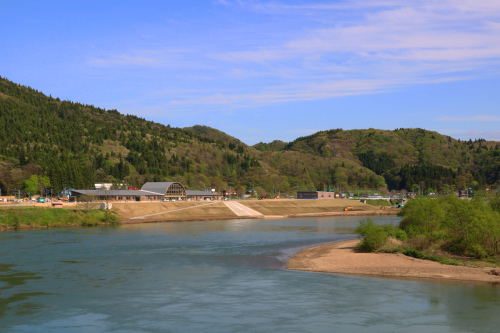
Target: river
x=216, y=276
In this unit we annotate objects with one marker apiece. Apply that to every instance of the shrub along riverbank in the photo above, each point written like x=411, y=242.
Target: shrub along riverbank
x=448, y=229
x=21, y=218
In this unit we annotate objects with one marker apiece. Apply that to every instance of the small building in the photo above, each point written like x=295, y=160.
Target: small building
x=192, y=195
x=226, y=193
x=107, y=186
x=315, y=195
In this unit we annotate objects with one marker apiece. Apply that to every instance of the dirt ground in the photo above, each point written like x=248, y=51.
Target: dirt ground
x=342, y=258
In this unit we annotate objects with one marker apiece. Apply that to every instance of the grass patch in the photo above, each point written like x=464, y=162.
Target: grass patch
x=211, y=210
x=19, y=218
x=287, y=207
x=428, y=256
x=133, y=209
x=378, y=202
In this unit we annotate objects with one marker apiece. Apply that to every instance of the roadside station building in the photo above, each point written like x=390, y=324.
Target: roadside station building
x=151, y=191
x=315, y=195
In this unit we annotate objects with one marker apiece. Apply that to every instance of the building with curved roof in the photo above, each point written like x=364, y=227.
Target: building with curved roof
x=151, y=191
x=169, y=190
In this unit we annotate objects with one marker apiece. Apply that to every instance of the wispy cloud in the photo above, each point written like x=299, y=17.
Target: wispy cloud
x=392, y=44
x=159, y=58
x=476, y=118
x=471, y=134
x=345, y=48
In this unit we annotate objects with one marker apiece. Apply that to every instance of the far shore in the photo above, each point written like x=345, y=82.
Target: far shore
x=343, y=258
x=224, y=217
x=213, y=218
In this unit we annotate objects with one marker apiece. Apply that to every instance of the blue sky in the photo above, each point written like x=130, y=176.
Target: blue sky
x=266, y=70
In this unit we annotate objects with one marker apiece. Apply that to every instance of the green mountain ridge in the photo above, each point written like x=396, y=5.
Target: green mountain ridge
x=68, y=144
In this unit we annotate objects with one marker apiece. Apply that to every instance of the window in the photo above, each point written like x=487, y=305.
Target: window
x=176, y=191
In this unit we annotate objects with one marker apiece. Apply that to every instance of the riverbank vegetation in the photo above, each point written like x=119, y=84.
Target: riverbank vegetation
x=34, y=217
x=378, y=202
x=449, y=230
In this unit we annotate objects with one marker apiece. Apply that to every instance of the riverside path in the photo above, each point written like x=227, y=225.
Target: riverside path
x=241, y=210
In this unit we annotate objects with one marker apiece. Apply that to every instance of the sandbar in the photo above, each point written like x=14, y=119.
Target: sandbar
x=343, y=258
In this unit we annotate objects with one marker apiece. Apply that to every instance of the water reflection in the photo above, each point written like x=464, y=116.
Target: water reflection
x=12, y=278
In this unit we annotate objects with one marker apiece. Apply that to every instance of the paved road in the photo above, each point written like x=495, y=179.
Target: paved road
x=241, y=210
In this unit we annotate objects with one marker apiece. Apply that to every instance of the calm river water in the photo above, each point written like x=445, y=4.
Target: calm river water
x=216, y=276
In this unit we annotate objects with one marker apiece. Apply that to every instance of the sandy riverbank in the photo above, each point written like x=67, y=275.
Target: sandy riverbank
x=342, y=258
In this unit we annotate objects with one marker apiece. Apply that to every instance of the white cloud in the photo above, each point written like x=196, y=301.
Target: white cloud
x=477, y=118
x=358, y=47
x=470, y=134
x=160, y=58
x=395, y=44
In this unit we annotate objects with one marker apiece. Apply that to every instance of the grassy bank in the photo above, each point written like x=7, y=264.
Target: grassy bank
x=33, y=217
x=286, y=207
x=378, y=202
x=449, y=230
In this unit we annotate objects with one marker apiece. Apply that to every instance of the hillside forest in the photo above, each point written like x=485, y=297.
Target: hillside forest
x=48, y=143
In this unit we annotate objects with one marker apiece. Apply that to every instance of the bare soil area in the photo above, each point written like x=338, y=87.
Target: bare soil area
x=343, y=258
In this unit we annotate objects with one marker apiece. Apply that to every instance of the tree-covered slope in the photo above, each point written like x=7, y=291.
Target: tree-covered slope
x=405, y=157
x=68, y=144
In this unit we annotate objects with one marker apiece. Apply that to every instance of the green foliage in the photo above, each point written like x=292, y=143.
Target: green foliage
x=375, y=236
x=31, y=185
x=414, y=253
x=495, y=203
x=468, y=227
x=54, y=217
x=422, y=216
x=378, y=162
x=395, y=232
x=414, y=176
x=420, y=255
x=378, y=202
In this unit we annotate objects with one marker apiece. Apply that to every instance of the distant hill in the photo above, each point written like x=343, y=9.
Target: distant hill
x=68, y=144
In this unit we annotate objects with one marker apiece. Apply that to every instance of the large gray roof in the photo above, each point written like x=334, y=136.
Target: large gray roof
x=115, y=192
x=158, y=187
x=148, y=189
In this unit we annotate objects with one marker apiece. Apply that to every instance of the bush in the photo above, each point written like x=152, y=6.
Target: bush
x=469, y=227
x=422, y=216
x=395, y=232
x=375, y=236
x=413, y=253
x=494, y=202
x=56, y=217
x=420, y=242
x=373, y=240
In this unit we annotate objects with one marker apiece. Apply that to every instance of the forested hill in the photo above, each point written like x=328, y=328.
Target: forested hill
x=49, y=143
x=405, y=157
